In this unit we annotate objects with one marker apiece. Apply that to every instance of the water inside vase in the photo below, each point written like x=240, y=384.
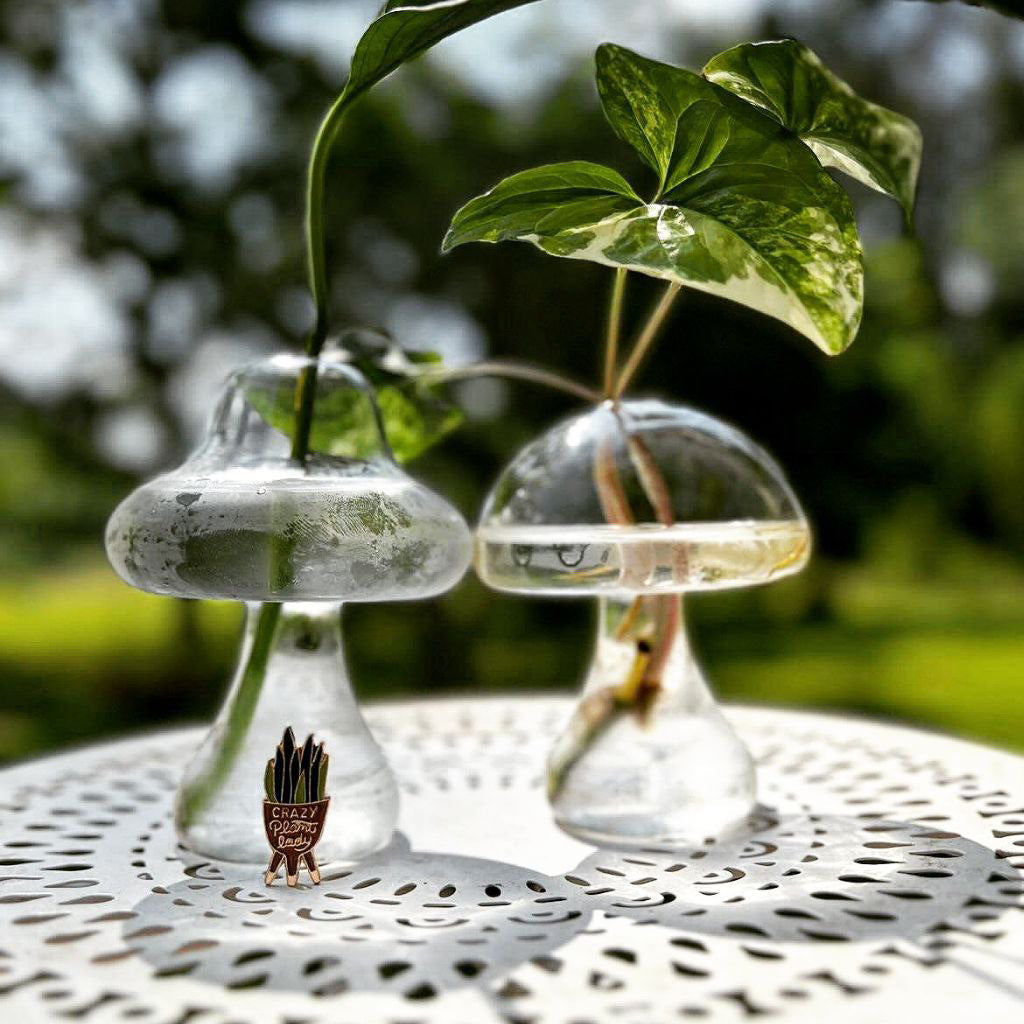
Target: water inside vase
x=648, y=558
x=216, y=535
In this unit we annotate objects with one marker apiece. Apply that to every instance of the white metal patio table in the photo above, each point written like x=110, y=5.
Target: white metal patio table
x=889, y=890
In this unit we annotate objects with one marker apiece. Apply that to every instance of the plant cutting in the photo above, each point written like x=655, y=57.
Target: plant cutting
x=639, y=502
x=242, y=520
x=648, y=756
x=295, y=503
x=743, y=208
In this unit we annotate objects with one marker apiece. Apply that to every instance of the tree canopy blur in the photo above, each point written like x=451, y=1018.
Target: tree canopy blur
x=152, y=159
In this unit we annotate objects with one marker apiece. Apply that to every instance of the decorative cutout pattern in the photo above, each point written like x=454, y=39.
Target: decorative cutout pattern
x=890, y=880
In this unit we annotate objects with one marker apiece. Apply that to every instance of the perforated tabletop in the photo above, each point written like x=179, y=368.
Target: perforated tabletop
x=890, y=890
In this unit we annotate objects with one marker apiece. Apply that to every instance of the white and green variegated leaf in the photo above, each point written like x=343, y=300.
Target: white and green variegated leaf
x=876, y=146
x=733, y=250
x=744, y=209
x=543, y=203
x=643, y=101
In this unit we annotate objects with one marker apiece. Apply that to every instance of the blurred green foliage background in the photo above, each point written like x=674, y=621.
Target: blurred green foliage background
x=152, y=158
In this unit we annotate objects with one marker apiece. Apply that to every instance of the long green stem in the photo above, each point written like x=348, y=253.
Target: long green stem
x=253, y=675
x=646, y=339
x=196, y=797
x=611, y=344
x=316, y=266
x=316, y=241
x=515, y=371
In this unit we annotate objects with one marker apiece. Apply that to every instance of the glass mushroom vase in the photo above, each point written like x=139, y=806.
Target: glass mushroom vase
x=242, y=520
x=638, y=503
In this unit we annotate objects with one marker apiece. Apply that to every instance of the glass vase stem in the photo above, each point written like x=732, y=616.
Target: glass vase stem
x=291, y=674
x=648, y=758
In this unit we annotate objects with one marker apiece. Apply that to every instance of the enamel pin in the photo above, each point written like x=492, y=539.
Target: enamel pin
x=295, y=806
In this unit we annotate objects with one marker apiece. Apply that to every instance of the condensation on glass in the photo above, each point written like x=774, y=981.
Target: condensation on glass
x=242, y=520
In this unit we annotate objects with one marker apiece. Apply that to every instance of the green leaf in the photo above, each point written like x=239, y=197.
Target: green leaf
x=407, y=29
x=643, y=101
x=544, y=202
x=876, y=146
x=415, y=415
x=300, y=789
x=322, y=787
x=268, y=780
x=745, y=210
x=345, y=423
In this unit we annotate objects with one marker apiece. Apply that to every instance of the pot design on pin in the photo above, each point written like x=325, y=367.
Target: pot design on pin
x=295, y=808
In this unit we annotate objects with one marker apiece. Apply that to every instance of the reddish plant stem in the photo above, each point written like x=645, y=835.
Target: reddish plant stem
x=638, y=692
x=608, y=483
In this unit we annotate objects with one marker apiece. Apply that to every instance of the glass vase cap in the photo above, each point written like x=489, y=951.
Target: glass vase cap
x=241, y=519
x=640, y=496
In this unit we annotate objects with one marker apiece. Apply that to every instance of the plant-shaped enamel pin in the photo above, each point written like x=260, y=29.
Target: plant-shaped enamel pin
x=295, y=806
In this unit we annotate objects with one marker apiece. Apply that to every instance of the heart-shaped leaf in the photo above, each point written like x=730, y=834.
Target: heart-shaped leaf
x=408, y=28
x=876, y=146
x=643, y=101
x=744, y=209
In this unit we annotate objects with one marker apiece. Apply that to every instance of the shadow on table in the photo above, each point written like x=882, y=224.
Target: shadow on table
x=836, y=896
x=406, y=922
x=416, y=924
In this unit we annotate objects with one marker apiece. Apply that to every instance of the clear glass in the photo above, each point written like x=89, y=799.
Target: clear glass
x=219, y=808
x=648, y=769
x=639, y=503
x=242, y=519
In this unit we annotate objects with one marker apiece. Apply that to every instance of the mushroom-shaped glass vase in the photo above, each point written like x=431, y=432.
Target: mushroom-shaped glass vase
x=242, y=520
x=638, y=503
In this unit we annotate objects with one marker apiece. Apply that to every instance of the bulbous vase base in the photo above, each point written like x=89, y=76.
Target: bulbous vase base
x=304, y=685
x=361, y=822
x=648, y=759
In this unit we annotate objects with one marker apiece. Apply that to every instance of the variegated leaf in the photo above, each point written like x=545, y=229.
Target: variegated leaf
x=876, y=146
